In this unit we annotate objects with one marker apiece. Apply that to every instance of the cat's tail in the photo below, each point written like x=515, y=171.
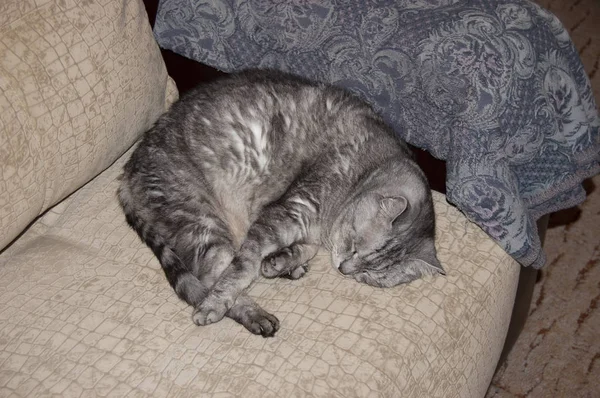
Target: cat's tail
x=187, y=286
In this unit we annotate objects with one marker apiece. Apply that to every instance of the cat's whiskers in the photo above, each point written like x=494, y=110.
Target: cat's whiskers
x=328, y=243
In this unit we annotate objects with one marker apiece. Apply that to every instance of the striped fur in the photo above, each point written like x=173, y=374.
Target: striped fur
x=252, y=173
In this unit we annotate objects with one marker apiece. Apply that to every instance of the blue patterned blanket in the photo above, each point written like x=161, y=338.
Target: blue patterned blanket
x=496, y=88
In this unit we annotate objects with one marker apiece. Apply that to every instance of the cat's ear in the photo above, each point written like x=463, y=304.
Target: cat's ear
x=428, y=258
x=391, y=207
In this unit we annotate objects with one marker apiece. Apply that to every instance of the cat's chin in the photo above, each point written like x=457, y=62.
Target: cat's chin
x=410, y=271
x=364, y=277
x=375, y=280
x=380, y=281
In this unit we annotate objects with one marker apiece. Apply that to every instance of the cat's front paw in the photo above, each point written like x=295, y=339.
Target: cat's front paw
x=277, y=264
x=283, y=264
x=297, y=272
x=211, y=310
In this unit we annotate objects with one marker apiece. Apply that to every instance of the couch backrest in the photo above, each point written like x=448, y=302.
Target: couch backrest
x=79, y=82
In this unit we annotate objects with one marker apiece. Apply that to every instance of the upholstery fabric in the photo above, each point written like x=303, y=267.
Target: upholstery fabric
x=85, y=310
x=494, y=87
x=79, y=82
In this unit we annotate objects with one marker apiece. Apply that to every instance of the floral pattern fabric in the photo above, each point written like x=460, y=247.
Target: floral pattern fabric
x=495, y=88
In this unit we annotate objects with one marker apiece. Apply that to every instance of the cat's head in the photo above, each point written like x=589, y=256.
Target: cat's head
x=384, y=240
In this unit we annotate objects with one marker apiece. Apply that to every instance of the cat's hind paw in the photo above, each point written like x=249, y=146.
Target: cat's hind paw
x=260, y=322
x=211, y=310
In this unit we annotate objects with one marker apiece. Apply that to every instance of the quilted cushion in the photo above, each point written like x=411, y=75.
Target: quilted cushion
x=86, y=310
x=79, y=81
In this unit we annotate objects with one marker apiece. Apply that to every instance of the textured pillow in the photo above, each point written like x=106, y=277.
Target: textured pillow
x=79, y=82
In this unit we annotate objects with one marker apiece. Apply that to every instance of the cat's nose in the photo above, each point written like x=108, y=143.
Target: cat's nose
x=346, y=268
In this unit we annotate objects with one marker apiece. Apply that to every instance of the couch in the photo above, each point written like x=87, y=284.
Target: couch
x=85, y=309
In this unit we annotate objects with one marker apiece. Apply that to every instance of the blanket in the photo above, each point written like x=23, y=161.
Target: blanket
x=495, y=88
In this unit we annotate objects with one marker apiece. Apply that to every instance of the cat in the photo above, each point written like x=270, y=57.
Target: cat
x=251, y=174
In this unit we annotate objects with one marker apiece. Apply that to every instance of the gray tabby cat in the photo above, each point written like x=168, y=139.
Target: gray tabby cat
x=253, y=173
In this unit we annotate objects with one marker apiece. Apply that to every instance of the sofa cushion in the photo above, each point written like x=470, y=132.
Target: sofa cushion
x=85, y=309
x=79, y=82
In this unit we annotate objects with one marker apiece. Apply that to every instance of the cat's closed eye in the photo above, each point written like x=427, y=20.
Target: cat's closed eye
x=348, y=244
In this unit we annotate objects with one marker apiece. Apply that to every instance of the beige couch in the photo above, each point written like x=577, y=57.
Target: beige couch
x=85, y=309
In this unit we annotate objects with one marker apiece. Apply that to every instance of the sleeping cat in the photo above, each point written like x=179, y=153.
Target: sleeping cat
x=251, y=174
